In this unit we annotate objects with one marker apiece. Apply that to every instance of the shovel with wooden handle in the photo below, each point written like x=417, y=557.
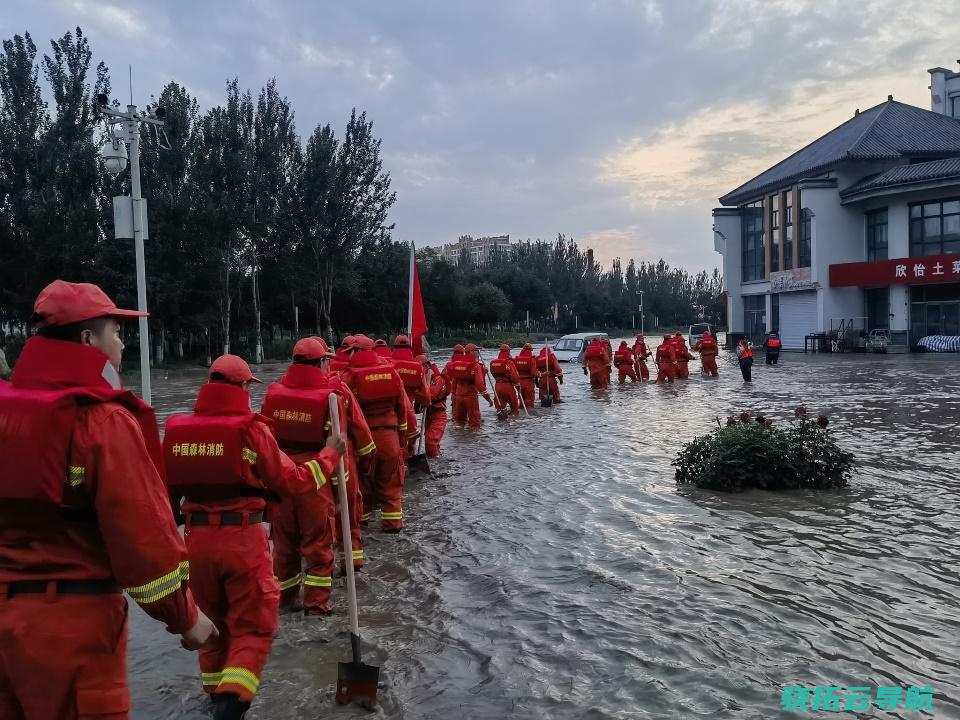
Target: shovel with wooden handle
x=355, y=680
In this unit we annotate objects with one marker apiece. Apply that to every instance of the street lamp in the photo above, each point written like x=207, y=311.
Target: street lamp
x=640, y=293
x=130, y=213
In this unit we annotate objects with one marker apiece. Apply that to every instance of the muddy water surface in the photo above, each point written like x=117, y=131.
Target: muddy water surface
x=552, y=569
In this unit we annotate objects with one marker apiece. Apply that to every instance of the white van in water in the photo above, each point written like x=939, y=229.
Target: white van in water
x=570, y=348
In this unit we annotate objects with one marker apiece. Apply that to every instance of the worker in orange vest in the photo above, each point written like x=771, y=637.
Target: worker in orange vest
x=640, y=353
x=225, y=462
x=772, y=345
x=389, y=414
x=745, y=358
x=666, y=360
x=526, y=365
x=84, y=517
x=596, y=363
x=435, y=422
x=707, y=347
x=626, y=363
x=506, y=379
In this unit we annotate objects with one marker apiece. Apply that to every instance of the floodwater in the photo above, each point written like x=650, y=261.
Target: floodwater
x=551, y=568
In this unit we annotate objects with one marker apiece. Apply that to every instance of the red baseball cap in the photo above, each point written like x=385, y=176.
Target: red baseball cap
x=471, y=347
x=380, y=342
x=505, y=347
x=62, y=303
x=311, y=348
x=458, y=348
x=234, y=369
x=401, y=341
x=362, y=342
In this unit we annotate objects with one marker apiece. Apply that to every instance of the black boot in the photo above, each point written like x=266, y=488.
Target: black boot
x=228, y=706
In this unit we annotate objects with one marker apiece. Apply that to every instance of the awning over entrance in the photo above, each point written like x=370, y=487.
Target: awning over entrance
x=899, y=271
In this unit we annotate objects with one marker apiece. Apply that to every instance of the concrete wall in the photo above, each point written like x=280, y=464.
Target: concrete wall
x=944, y=84
x=727, y=242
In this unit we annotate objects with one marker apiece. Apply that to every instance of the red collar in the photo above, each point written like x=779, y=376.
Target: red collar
x=306, y=376
x=54, y=364
x=222, y=399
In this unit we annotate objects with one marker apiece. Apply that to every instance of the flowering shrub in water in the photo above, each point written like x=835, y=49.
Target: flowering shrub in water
x=752, y=452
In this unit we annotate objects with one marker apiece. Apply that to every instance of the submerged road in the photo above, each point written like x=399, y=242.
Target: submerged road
x=552, y=569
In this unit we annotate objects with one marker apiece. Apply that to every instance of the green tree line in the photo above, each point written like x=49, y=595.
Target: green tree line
x=256, y=236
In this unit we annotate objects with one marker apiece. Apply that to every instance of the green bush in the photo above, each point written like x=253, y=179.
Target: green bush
x=752, y=452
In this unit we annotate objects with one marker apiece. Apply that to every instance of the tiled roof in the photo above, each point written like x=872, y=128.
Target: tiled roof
x=907, y=175
x=889, y=131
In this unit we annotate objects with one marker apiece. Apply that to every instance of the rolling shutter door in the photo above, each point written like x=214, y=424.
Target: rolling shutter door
x=798, y=318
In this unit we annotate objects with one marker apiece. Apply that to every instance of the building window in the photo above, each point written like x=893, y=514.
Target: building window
x=805, y=251
x=752, y=242
x=877, y=235
x=788, y=239
x=877, y=310
x=955, y=106
x=774, y=233
x=935, y=228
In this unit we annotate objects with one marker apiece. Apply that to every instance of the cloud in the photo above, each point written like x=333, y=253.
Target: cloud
x=108, y=16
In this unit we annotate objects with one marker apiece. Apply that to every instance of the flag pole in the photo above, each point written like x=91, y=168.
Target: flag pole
x=413, y=252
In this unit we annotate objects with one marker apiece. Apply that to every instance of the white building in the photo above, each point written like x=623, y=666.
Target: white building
x=860, y=228
x=478, y=249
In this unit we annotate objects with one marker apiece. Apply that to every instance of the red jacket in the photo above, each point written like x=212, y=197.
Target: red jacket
x=552, y=368
x=271, y=466
x=133, y=539
x=666, y=353
x=640, y=351
x=466, y=388
x=394, y=410
x=526, y=365
x=439, y=389
x=510, y=374
x=706, y=346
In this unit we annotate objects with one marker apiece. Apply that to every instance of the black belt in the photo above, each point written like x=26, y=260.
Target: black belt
x=227, y=518
x=62, y=587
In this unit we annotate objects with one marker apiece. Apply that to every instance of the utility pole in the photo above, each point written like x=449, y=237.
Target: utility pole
x=130, y=213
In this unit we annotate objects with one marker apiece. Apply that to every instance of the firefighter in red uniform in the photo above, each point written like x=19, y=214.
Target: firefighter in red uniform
x=526, y=365
x=469, y=381
x=84, y=516
x=596, y=363
x=506, y=378
x=666, y=360
x=683, y=356
x=551, y=374
x=707, y=347
x=302, y=527
x=641, y=354
x=341, y=358
x=381, y=348
x=225, y=461
x=413, y=377
x=381, y=395
x=625, y=362
x=436, y=418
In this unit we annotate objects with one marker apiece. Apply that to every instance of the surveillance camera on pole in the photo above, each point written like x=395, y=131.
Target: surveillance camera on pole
x=130, y=212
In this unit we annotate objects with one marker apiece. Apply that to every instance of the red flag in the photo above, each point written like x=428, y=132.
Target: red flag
x=418, y=318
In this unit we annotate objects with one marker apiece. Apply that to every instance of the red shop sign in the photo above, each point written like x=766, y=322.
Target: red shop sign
x=899, y=271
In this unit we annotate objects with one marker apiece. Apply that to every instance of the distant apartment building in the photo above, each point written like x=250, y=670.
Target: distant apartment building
x=478, y=249
x=861, y=224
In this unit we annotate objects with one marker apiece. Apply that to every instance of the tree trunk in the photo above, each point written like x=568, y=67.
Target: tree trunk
x=296, y=315
x=255, y=292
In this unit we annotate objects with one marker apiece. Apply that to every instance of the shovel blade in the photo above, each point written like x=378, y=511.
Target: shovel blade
x=546, y=401
x=418, y=463
x=357, y=681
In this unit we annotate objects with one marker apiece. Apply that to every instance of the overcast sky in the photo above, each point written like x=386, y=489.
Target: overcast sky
x=618, y=122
